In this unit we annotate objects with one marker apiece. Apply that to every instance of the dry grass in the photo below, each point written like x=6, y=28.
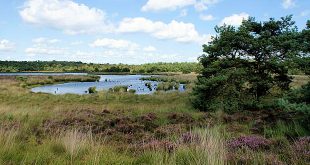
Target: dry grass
x=299, y=80
x=7, y=139
x=211, y=146
x=75, y=143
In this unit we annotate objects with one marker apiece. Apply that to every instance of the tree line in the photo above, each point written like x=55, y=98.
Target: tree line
x=65, y=66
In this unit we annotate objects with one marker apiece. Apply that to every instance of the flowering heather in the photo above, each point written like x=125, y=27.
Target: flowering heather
x=158, y=145
x=302, y=147
x=189, y=137
x=252, y=141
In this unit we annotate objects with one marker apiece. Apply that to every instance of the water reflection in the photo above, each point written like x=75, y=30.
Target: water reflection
x=106, y=82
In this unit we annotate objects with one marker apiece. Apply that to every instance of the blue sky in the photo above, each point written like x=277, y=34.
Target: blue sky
x=126, y=31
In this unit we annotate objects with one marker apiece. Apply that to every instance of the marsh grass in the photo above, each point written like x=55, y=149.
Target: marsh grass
x=31, y=81
x=209, y=148
x=7, y=139
x=285, y=129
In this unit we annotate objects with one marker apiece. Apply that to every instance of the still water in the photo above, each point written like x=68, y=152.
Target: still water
x=105, y=82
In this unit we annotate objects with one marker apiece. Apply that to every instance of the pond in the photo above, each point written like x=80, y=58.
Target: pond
x=106, y=82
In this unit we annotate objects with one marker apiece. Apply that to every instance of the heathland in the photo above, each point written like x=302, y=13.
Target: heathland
x=124, y=128
x=246, y=102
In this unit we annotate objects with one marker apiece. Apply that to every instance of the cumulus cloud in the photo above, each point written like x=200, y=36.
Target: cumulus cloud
x=45, y=46
x=115, y=44
x=32, y=51
x=149, y=49
x=208, y=17
x=156, y=5
x=235, y=19
x=66, y=15
x=75, y=43
x=178, y=31
x=203, y=4
x=43, y=40
x=6, y=45
x=286, y=4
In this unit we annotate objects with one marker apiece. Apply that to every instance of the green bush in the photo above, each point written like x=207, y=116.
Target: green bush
x=120, y=88
x=132, y=91
x=297, y=101
x=92, y=90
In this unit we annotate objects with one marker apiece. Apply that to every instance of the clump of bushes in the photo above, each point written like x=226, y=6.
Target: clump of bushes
x=166, y=86
x=132, y=91
x=120, y=88
x=164, y=79
x=297, y=101
x=92, y=90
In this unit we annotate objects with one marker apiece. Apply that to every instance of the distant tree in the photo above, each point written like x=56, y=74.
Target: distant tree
x=242, y=64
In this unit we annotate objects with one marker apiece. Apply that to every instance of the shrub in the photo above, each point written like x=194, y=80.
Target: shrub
x=166, y=86
x=132, y=91
x=302, y=147
x=301, y=95
x=297, y=101
x=120, y=89
x=92, y=90
x=253, y=142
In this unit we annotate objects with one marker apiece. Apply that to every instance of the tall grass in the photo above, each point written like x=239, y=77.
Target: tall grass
x=209, y=148
x=7, y=139
x=73, y=143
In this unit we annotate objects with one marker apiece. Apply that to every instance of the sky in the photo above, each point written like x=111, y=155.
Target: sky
x=126, y=31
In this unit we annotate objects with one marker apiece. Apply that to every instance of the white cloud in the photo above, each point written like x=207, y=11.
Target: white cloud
x=45, y=46
x=286, y=4
x=203, y=4
x=75, y=43
x=32, y=51
x=235, y=19
x=43, y=40
x=149, y=49
x=6, y=45
x=208, y=17
x=139, y=24
x=178, y=31
x=66, y=15
x=115, y=44
x=156, y=5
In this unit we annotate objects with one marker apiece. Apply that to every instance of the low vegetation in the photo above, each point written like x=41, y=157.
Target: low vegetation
x=92, y=90
x=162, y=128
x=30, y=81
x=178, y=78
x=119, y=89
